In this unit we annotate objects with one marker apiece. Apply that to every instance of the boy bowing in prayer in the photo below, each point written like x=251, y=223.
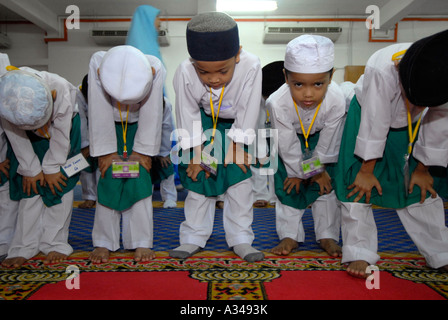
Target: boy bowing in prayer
x=125, y=116
x=218, y=94
x=309, y=112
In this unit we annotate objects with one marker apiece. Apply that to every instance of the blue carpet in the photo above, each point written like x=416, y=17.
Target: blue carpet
x=391, y=234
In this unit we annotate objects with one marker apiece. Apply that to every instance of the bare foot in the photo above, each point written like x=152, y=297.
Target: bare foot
x=285, y=247
x=144, y=254
x=358, y=269
x=54, y=257
x=331, y=247
x=444, y=268
x=99, y=255
x=87, y=204
x=219, y=204
x=15, y=262
x=260, y=203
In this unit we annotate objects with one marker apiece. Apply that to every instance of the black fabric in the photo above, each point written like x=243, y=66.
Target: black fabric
x=273, y=77
x=424, y=71
x=213, y=46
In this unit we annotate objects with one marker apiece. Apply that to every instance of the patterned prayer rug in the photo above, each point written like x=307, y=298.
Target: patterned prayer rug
x=222, y=276
x=218, y=274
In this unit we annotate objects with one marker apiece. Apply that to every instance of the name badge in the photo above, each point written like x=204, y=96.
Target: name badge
x=125, y=169
x=74, y=165
x=311, y=165
x=209, y=163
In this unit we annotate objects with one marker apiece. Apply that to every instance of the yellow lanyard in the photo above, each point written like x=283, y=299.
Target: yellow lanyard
x=412, y=134
x=125, y=129
x=312, y=122
x=215, y=120
x=44, y=132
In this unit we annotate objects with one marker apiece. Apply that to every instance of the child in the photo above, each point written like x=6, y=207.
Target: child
x=41, y=123
x=262, y=183
x=308, y=112
x=163, y=170
x=8, y=207
x=143, y=34
x=219, y=87
x=125, y=116
x=376, y=150
x=88, y=175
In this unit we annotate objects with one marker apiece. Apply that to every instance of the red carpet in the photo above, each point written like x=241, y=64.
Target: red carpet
x=127, y=286
x=291, y=285
x=223, y=276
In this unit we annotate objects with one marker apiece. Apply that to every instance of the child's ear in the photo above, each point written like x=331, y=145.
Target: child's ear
x=54, y=94
x=237, y=57
x=286, y=76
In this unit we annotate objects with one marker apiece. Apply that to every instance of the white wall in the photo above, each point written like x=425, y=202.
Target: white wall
x=70, y=58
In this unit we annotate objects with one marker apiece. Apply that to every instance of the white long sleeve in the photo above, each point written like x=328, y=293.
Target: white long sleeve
x=241, y=101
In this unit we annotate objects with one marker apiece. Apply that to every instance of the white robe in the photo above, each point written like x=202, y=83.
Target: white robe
x=103, y=112
x=241, y=102
x=41, y=228
x=329, y=122
x=383, y=107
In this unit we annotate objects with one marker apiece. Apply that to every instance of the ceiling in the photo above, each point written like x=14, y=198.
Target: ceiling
x=45, y=13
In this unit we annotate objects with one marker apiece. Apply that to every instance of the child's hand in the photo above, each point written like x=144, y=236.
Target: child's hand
x=194, y=169
x=363, y=185
x=236, y=154
x=422, y=178
x=365, y=181
x=55, y=180
x=104, y=162
x=165, y=161
x=290, y=183
x=85, y=152
x=323, y=179
x=29, y=183
x=4, y=167
x=144, y=160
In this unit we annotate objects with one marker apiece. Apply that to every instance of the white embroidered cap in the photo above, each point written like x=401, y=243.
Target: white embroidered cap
x=309, y=54
x=126, y=74
x=25, y=99
x=4, y=62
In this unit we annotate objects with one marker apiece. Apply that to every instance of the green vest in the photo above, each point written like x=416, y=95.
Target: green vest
x=226, y=176
x=40, y=147
x=121, y=193
x=388, y=170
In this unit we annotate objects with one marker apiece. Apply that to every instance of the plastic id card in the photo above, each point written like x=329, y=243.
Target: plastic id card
x=75, y=165
x=125, y=169
x=311, y=167
x=209, y=163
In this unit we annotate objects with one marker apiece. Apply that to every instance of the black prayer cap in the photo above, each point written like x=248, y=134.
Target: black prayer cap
x=273, y=77
x=423, y=71
x=212, y=36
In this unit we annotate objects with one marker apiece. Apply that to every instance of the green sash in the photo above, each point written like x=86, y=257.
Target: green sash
x=308, y=192
x=388, y=170
x=121, y=193
x=40, y=147
x=226, y=176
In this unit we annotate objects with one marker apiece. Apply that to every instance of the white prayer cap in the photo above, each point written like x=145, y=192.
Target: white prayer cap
x=4, y=62
x=309, y=54
x=126, y=74
x=25, y=99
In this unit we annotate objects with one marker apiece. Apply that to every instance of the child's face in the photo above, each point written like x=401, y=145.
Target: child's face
x=308, y=89
x=216, y=74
